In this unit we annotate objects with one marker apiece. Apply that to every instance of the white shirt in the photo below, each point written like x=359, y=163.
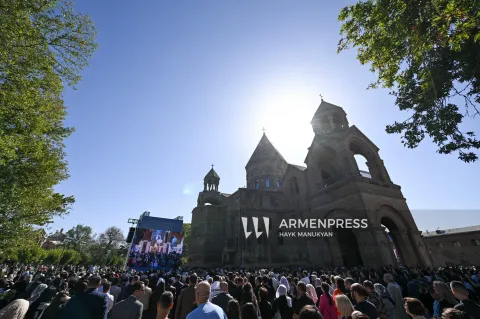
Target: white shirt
x=109, y=298
x=214, y=289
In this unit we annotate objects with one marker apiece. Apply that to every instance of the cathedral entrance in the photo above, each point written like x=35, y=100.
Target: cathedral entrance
x=348, y=247
x=392, y=237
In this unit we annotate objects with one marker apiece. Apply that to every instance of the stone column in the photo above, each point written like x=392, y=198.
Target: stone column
x=352, y=166
x=384, y=247
x=368, y=248
x=335, y=253
x=420, y=248
x=404, y=244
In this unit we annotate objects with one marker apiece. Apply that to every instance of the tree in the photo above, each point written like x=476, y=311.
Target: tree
x=44, y=44
x=427, y=53
x=112, y=238
x=186, y=229
x=81, y=237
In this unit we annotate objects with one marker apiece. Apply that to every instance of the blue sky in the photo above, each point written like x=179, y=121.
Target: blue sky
x=177, y=86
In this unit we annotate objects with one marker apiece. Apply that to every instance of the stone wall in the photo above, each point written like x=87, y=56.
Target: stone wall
x=459, y=248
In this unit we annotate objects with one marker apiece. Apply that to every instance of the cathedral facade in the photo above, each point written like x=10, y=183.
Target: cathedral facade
x=329, y=186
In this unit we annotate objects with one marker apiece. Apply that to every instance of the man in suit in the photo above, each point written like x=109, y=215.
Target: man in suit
x=222, y=298
x=90, y=304
x=186, y=299
x=130, y=308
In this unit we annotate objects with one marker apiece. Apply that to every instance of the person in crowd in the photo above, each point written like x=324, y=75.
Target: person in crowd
x=327, y=304
x=340, y=286
x=106, y=286
x=154, y=298
x=282, y=306
x=319, y=290
x=249, y=311
x=359, y=315
x=381, y=291
x=145, y=298
x=186, y=299
x=361, y=304
x=310, y=312
x=54, y=310
x=249, y=296
x=452, y=313
x=312, y=293
x=164, y=305
x=178, y=283
x=222, y=298
x=264, y=306
x=128, y=289
x=233, y=309
x=466, y=305
x=444, y=298
x=15, y=310
x=348, y=285
x=375, y=299
x=205, y=309
x=414, y=308
x=90, y=304
x=395, y=293
x=302, y=300
x=130, y=308
x=344, y=306
x=115, y=289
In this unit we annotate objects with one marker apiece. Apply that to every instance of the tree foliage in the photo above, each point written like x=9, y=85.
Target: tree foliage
x=81, y=237
x=186, y=230
x=44, y=44
x=427, y=53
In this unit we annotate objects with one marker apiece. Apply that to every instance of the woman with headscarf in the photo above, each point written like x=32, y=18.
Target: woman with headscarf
x=318, y=290
x=386, y=299
x=312, y=293
x=282, y=305
x=284, y=281
x=396, y=294
x=15, y=310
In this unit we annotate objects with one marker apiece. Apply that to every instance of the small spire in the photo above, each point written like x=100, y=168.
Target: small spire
x=321, y=98
x=212, y=166
x=263, y=129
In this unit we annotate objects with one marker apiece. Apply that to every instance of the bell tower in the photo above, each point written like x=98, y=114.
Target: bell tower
x=329, y=118
x=211, y=181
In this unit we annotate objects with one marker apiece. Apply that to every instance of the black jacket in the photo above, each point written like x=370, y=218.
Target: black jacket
x=222, y=300
x=88, y=305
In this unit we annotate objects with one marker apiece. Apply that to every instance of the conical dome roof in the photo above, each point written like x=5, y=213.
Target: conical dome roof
x=212, y=173
x=265, y=151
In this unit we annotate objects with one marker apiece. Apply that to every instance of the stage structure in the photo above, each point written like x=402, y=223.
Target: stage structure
x=157, y=243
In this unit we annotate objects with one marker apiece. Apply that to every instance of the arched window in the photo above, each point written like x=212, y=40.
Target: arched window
x=257, y=184
x=267, y=182
x=278, y=182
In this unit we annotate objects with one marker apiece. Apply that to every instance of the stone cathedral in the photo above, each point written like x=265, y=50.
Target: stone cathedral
x=329, y=185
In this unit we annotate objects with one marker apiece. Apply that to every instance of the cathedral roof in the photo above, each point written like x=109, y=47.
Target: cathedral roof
x=212, y=173
x=265, y=151
x=300, y=167
x=325, y=106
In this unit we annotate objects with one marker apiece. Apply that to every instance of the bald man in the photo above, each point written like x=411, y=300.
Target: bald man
x=205, y=309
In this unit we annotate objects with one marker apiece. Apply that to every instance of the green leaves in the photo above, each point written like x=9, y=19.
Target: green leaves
x=43, y=44
x=427, y=53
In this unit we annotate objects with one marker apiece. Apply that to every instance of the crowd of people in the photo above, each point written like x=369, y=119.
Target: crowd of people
x=294, y=293
x=171, y=260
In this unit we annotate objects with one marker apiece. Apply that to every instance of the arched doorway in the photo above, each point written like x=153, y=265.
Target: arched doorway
x=348, y=247
x=392, y=238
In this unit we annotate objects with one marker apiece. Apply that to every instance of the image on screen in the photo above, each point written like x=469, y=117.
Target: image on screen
x=155, y=248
